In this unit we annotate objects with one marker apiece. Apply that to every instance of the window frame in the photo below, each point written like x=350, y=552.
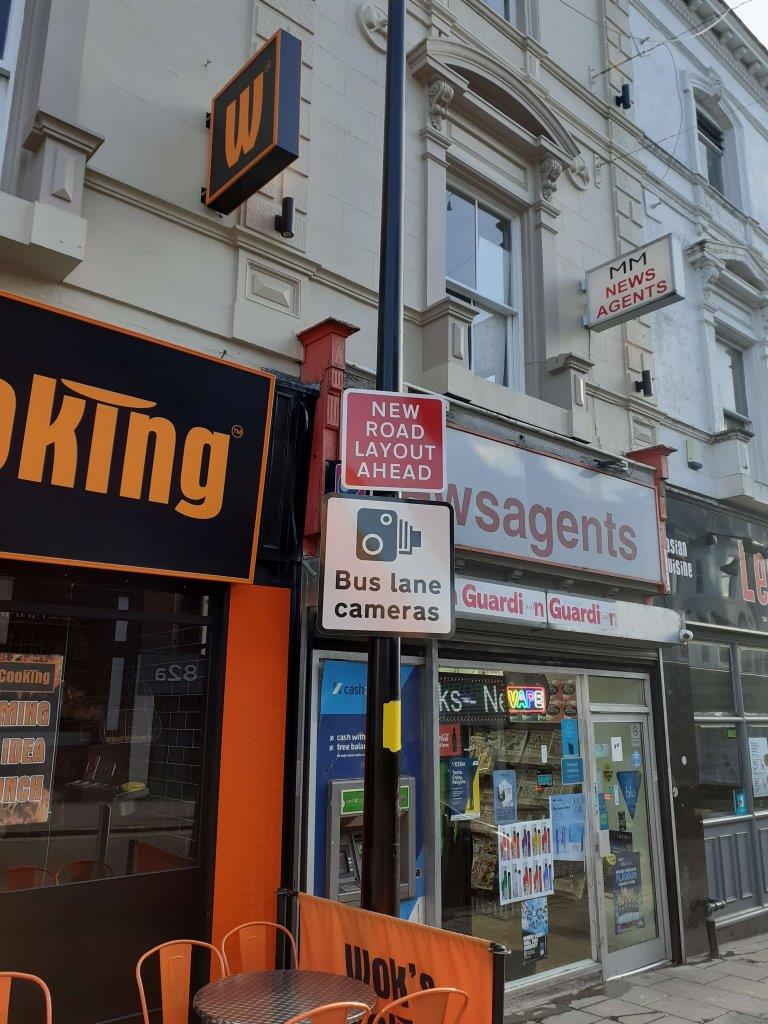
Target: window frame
x=11, y=17
x=712, y=137
x=514, y=373
x=737, y=417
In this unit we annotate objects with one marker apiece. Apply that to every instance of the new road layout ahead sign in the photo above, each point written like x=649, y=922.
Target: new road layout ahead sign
x=386, y=567
x=392, y=442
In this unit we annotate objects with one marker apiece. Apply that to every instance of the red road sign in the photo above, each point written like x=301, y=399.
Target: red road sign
x=392, y=442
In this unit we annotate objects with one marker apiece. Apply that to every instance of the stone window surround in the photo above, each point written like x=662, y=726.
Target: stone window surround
x=739, y=450
x=46, y=151
x=551, y=376
x=707, y=93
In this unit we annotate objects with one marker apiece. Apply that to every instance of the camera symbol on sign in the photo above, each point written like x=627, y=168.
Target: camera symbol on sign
x=382, y=535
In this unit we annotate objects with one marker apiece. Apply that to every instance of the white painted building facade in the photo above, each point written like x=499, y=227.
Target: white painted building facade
x=522, y=172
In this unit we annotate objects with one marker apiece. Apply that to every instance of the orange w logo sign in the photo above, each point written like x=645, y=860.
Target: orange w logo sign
x=240, y=139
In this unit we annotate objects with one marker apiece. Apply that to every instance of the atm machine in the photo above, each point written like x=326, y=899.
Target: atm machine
x=344, y=836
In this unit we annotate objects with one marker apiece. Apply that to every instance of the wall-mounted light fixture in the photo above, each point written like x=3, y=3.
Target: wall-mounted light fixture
x=624, y=100
x=645, y=384
x=693, y=453
x=284, y=219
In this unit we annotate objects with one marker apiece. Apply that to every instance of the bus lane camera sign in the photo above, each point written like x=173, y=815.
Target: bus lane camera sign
x=387, y=567
x=392, y=442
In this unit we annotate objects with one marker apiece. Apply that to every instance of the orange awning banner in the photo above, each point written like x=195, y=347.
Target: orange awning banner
x=394, y=957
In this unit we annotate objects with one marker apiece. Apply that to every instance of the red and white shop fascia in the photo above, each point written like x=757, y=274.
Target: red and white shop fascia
x=555, y=517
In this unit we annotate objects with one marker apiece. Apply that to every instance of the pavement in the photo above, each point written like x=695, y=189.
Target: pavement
x=730, y=990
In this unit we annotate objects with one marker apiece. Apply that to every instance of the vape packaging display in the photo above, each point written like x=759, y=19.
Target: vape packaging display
x=525, y=861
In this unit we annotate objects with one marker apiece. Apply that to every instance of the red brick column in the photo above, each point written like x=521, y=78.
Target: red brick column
x=325, y=356
x=657, y=456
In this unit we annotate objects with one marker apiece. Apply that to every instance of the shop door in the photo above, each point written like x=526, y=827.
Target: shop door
x=629, y=866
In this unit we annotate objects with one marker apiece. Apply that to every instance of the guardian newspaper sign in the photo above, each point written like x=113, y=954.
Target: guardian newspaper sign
x=518, y=503
x=634, y=283
x=124, y=452
x=522, y=606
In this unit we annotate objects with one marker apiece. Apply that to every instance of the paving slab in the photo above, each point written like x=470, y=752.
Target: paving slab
x=732, y=989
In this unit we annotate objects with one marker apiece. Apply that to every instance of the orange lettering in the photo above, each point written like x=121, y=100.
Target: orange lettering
x=239, y=141
x=43, y=431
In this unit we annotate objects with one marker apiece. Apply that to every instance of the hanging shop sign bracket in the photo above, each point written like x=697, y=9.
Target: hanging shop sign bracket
x=254, y=124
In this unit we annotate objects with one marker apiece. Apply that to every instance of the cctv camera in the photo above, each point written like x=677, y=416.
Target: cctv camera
x=685, y=635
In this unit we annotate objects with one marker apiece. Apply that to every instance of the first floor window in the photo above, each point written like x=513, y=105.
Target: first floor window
x=5, y=17
x=713, y=145
x=733, y=391
x=481, y=256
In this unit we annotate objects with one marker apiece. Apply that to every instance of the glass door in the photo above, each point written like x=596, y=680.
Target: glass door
x=630, y=872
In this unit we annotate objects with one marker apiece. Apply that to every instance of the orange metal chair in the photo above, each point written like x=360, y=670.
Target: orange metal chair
x=331, y=1013
x=432, y=1006
x=25, y=877
x=251, y=939
x=175, y=973
x=6, y=980
x=84, y=871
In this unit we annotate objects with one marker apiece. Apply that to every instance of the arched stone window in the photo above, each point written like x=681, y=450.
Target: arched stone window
x=493, y=154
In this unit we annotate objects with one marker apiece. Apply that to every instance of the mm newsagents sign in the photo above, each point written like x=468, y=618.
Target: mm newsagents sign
x=635, y=283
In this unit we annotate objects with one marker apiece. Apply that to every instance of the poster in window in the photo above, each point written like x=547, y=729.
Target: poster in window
x=568, y=813
x=535, y=926
x=30, y=699
x=758, y=757
x=463, y=787
x=627, y=892
x=504, y=797
x=526, y=868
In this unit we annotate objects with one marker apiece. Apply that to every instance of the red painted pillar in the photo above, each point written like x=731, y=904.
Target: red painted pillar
x=325, y=356
x=657, y=456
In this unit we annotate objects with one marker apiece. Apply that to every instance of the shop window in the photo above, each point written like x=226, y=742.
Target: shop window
x=117, y=758
x=617, y=690
x=754, y=680
x=733, y=391
x=497, y=767
x=711, y=679
x=719, y=767
x=712, y=141
x=481, y=259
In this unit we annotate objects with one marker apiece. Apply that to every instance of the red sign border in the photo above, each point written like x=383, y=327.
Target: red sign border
x=411, y=488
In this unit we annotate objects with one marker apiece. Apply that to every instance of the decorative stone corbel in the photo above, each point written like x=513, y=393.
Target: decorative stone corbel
x=60, y=151
x=549, y=170
x=708, y=266
x=440, y=98
x=710, y=272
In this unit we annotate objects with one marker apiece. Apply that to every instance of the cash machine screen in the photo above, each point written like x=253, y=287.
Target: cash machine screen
x=349, y=872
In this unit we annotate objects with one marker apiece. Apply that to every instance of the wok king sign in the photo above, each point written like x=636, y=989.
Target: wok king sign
x=124, y=452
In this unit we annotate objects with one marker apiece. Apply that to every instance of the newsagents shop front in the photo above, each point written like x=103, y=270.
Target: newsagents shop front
x=534, y=774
